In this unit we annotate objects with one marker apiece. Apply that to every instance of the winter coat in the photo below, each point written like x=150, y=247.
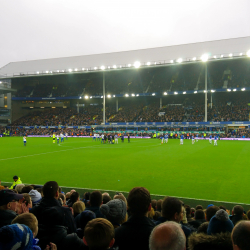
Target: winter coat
x=202, y=241
x=16, y=183
x=6, y=217
x=97, y=211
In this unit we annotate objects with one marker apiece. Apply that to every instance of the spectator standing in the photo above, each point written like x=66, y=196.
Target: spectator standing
x=95, y=201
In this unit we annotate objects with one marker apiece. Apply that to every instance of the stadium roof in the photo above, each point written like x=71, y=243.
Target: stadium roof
x=155, y=56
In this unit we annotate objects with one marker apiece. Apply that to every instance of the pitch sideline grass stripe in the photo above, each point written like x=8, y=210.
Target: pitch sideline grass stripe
x=188, y=198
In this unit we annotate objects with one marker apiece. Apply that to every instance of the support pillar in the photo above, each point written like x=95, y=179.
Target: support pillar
x=160, y=103
x=104, y=98
x=206, y=92
x=77, y=107
x=116, y=107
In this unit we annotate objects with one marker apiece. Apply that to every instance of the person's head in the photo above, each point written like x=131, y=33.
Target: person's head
x=27, y=200
x=220, y=223
x=8, y=199
x=35, y=196
x=199, y=207
x=188, y=210
x=15, y=177
x=99, y=234
x=241, y=235
x=172, y=209
x=19, y=188
x=122, y=197
x=95, y=199
x=85, y=217
x=222, y=207
x=27, y=189
x=153, y=203
x=238, y=210
x=248, y=214
x=63, y=198
x=203, y=228
x=157, y=215
x=50, y=190
x=78, y=207
x=74, y=197
x=159, y=205
x=106, y=198
x=210, y=212
x=29, y=220
x=86, y=195
x=115, y=211
x=168, y=235
x=199, y=215
x=139, y=201
x=15, y=235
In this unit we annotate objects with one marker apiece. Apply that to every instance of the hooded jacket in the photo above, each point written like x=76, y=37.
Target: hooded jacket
x=16, y=183
x=202, y=241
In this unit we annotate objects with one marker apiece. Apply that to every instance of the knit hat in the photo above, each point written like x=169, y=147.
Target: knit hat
x=15, y=177
x=35, y=196
x=7, y=195
x=85, y=217
x=115, y=210
x=16, y=237
x=210, y=205
x=220, y=223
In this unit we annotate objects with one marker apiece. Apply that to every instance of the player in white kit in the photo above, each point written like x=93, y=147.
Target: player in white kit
x=215, y=141
x=116, y=138
x=193, y=139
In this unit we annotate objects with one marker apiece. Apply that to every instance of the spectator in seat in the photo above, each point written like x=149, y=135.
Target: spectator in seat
x=35, y=197
x=188, y=213
x=27, y=189
x=53, y=230
x=99, y=234
x=172, y=211
x=17, y=181
x=78, y=207
x=16, y=236
x=105, y=198
x=210, y=212
x=50, y=199
x=84, y=218
x=167, y=236
x=134, y=234
x=159, y=205
x=95, y=202
x=199, y=218
x=237, y=214
x=241, y=236
x=115, y=211
x=74, y=197
x=8, y=206
x=19, y=188
x=63, y=199
x=154, y=202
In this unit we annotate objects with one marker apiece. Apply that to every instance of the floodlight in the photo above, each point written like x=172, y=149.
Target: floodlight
x=195, y=92
x=179, y=60
x=82, y=69
x=148, y=63
x=108, y=96
x=221, y=56
x=165, y=93
x=137, y=95
x=102, y=96
x=126, y=95
x=86, y=97
x=212, y=91
x=76, y=69
x=204, y=57
x=47, y=71
x=176, y=93
x=102, y=67
x=155, y=63
x=37, y=72
x=137, y=64
x=229, y=90
x=90, y=97
x=114, y=66
x=205, y=91
x=243, y=89
x=153, y=94
x=129, y=65
x=241, y=54
x=0, y=82
x=248, y=53
x=132, y=94
x=109, y=67
x=184, y=92
x=95, y=68
x=171, y=61
x=58, y=71
x=234, y=90
x=62, y=70
x=194, y=58
x=113, y=95
x=70, y=70
x=120, y=66
x=215, y=57
x=230, y=55
x=80, y=97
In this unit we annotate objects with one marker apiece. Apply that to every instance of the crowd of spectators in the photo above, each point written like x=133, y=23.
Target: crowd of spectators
x=44, y=217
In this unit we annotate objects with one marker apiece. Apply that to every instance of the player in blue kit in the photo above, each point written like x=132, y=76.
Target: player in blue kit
x=193, y=139
x=57, y=137
x=215, y=140
x=210, y=139
x=166, y=138
x=182, y=138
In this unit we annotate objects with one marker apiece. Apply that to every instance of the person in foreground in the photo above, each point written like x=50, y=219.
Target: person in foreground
x=241, y=236
x=99, y=234
x=167, y=236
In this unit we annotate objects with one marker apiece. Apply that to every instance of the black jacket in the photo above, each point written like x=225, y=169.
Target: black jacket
x=97, y=211
x=51, y=202
x=6, y=217
x=134, y=234
x=58, y=235
x=196, y=223
x=235, y=218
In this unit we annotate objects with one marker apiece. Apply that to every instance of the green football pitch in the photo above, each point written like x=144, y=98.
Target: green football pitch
x=199, y=171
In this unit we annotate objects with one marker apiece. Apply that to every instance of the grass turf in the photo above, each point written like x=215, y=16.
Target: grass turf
x=200, y=171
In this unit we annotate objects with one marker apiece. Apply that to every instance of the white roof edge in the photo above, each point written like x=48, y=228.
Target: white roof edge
x=232, y=45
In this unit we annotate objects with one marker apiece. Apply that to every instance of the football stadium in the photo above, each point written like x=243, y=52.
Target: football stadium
x=174, y=120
